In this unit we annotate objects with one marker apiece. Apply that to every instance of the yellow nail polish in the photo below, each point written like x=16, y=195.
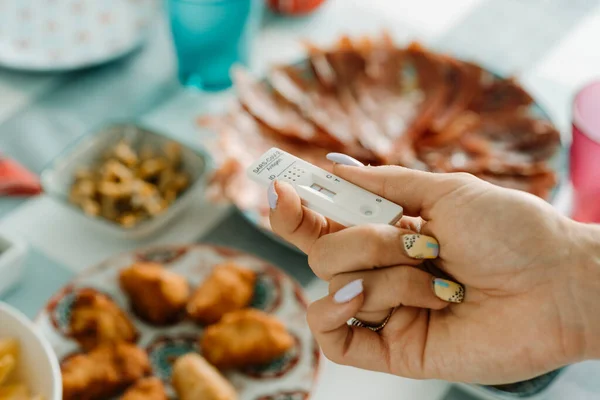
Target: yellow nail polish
x=448, y=290
x=421, y=246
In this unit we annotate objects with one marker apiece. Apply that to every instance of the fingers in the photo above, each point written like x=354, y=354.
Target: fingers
x=390, y=287
x=341, y=343
x=416, y=191
x=414, y=224
x=294, y=222
x=400, y=344
x=368, y=247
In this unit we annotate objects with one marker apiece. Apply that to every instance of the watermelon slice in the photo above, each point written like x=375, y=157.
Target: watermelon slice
x=15, y=180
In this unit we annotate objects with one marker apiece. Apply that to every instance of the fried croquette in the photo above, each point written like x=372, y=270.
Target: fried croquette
x=195, y=379
x=150, y=388
x=245, y=337
x=157, y=295
x=228, y=288
x=103, y=372
x=96, y=319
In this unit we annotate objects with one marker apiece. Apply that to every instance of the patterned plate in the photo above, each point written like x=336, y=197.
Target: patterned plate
x=57, y=35
x=289, y=378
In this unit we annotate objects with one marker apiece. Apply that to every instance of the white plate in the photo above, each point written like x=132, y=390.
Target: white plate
x=58, y=35
x=289, y=378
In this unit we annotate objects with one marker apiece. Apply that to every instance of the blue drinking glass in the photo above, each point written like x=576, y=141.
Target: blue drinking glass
x=210, y=36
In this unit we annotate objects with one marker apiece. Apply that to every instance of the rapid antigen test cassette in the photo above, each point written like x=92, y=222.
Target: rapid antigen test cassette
x=323, y=192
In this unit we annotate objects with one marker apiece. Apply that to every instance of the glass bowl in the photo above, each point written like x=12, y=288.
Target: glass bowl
x=59, y=176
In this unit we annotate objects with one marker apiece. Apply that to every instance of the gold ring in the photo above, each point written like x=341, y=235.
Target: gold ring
x=374, y=328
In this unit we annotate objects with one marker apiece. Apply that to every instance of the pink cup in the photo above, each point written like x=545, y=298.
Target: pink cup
x=585, y=154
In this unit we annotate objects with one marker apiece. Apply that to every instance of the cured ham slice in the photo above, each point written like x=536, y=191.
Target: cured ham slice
x=314, y=103
x=334, y=112
x=501, y=96
x=502, y=144
x=272, y=110
x=463, y=81
x=428, y=72
x=389, y=94
x=337, y=68
x=384, y=94
x=366, y=68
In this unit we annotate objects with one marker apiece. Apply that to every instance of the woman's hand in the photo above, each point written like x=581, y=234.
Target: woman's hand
x=522, y=266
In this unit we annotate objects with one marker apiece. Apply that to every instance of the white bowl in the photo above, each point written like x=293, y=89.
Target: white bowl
x=37, y=366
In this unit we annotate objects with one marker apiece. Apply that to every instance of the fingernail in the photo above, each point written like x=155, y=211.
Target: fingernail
x=272, y=195
x=344, y=159
x=348, y=292
x=421, y=246
x=448, y=290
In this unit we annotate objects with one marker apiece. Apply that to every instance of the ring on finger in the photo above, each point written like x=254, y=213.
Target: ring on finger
x=374, y=328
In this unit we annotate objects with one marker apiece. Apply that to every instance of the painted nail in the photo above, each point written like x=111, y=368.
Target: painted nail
x=344, y=159
x=272, y=195
x=421, y=246
x=348, y=292
x=448, y=290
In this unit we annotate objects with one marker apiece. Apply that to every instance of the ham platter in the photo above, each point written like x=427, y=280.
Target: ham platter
x=383, y=104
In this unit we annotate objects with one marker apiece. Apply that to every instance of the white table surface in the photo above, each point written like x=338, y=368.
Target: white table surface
x=40, y=113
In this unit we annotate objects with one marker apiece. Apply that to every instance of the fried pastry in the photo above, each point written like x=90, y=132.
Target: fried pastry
x=156, y=294
x=228, y=288
x=146, y=389
x=7, y=366
x=96, y=319
x=195, y=379
x=245, y=337
x=14, y=392
x=104, y=372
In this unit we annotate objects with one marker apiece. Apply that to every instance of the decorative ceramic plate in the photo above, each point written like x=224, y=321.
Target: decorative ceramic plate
x=57, y=35
x=289, y=378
